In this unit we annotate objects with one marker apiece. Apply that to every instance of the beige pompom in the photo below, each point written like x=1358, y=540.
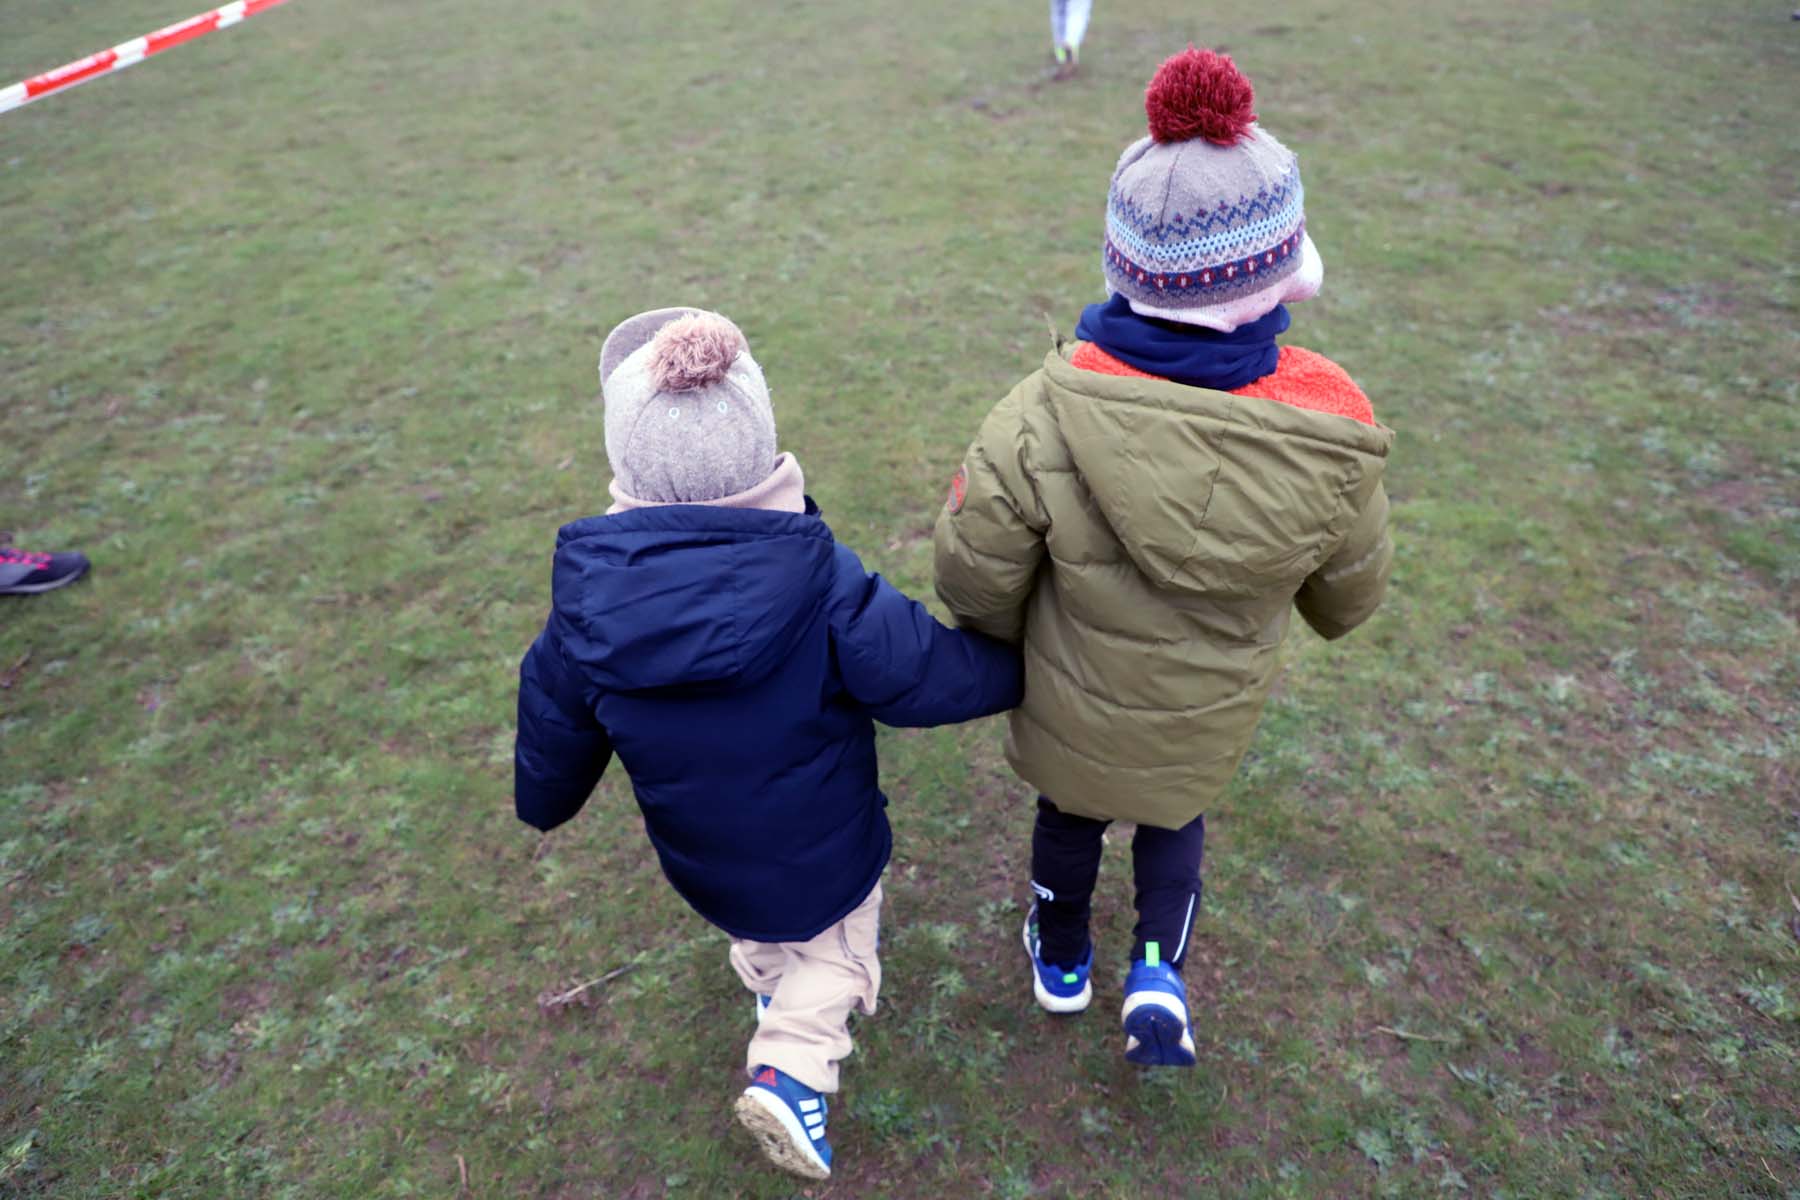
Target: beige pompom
x=692, y=352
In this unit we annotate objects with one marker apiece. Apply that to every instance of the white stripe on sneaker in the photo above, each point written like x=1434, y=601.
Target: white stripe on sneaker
x=807, y=1106
x=783, y=1139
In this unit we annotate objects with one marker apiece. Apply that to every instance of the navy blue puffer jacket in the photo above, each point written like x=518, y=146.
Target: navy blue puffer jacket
x=735, y=659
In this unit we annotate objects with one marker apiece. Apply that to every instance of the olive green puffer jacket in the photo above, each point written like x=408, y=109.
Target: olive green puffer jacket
x=1146, y=540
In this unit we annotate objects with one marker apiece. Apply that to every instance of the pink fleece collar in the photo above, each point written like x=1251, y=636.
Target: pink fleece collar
x=784, y=490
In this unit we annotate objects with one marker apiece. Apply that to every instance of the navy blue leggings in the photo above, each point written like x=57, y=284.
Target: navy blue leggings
x=1065, y=863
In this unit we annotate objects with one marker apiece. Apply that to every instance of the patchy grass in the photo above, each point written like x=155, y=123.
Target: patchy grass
x=299, y=347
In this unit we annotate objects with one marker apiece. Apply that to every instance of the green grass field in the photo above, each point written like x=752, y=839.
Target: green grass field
x=297, y=342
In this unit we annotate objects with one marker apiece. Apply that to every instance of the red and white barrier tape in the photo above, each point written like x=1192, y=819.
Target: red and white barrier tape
x=128, y=54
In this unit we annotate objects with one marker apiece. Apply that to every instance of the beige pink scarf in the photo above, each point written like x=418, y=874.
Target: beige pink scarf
x=783, y=490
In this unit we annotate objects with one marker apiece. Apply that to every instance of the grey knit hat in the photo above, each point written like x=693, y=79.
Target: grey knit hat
x=1205, y=218
x=688, y=417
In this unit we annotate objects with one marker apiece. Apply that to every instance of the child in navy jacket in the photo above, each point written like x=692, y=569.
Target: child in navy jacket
x=710, y=632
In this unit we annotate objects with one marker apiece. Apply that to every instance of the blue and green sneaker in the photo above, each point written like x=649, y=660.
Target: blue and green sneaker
x=1156, y=1014
x=1058, y=989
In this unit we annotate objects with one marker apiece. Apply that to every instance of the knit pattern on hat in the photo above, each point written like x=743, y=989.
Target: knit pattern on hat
x=1205, y=218
x=1194, y=224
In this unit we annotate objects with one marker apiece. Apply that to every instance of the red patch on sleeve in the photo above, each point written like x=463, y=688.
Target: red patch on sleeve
x=959, y=490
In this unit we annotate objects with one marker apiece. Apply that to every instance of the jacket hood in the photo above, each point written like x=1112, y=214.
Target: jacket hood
x=688, y=596
x=1208, y=491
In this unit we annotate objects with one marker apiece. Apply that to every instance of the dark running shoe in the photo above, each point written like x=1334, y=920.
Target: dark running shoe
x=27, y=572
x=1058, y=989
x=1156, y=1014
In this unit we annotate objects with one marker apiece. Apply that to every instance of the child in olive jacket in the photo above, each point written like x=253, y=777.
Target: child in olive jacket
x=1145, y=511
x=710, y=632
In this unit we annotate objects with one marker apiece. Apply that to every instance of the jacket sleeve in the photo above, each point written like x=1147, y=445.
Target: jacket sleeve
x=904, y=668
x=1347, y=588
x=561, y=749
x=990, y=535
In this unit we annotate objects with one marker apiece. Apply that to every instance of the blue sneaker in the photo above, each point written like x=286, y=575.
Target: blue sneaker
x=1057, y=990
x=1156, y=1015
x=788, y=1119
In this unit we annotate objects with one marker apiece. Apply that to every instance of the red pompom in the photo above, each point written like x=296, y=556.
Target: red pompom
x=1199, y=93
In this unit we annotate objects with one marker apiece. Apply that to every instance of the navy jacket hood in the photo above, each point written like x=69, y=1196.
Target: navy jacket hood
x=656, y=598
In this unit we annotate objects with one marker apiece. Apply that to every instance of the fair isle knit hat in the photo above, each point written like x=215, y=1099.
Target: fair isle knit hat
x=688, y=417
x=1204, y=220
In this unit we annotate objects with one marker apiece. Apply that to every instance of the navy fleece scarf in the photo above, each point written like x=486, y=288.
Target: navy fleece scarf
x=1190, y=354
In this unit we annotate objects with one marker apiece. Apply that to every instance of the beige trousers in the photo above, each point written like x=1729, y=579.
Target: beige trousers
x=812, y=986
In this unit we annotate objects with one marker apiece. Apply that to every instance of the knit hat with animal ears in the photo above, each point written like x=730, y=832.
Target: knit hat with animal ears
x=688, y=418
x=1204, y=219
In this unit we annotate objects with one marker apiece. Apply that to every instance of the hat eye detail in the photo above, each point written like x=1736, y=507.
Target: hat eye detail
x=724, y=407
x=674, y=412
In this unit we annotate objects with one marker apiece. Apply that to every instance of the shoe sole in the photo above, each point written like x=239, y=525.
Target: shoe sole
x=1155, y=1034
x=1048, y=1000
x=783, y=1139
x=32, y=589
